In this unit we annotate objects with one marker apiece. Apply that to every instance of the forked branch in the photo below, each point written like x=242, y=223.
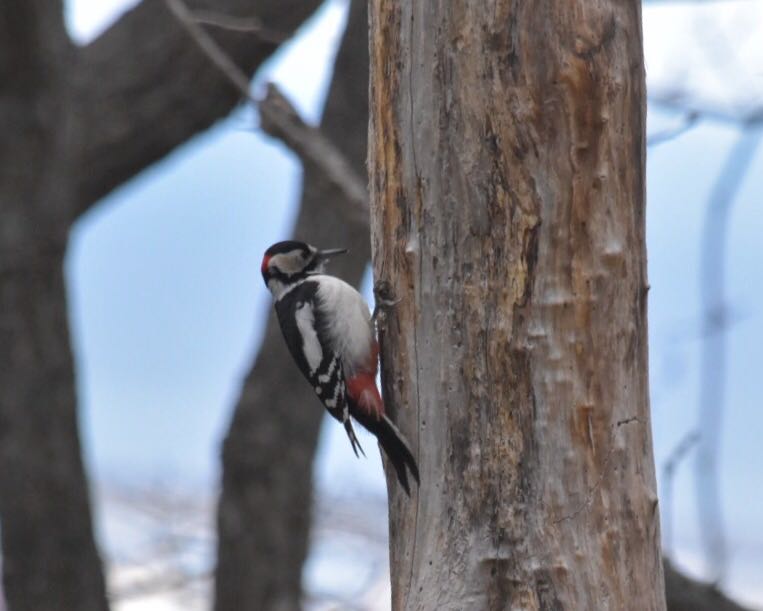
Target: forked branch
x=280, y=120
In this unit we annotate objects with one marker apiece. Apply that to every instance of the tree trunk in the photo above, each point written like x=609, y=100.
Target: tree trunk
x=76, y=123
x=264, y=511
x=50, y=560
x=684, y=594
x=507, y=178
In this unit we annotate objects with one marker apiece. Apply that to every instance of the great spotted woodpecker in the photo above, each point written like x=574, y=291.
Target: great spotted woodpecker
x=330, y=334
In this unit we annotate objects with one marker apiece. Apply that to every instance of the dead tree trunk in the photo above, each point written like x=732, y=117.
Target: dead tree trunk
x=507, y=176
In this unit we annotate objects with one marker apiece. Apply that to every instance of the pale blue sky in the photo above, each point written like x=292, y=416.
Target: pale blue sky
x=167, y=300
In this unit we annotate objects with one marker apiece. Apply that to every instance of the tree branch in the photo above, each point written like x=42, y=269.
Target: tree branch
x=210, y=48
x=693, y=110
x=32, y=34
x=239, y=24
x=713, y=364
x=145, y=71
x=690, y=120
x=280, y=120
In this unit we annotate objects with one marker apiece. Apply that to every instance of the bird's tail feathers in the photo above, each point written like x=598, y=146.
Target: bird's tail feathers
x=395, y=447
x=353, y=439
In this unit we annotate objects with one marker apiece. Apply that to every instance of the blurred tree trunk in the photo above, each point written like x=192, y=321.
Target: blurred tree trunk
x=49, y=557
x=684, y=594
x=265, y=507
x=76, y=123
x=507, y=177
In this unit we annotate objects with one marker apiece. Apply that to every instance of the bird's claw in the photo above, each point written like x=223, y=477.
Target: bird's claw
x=384, y=298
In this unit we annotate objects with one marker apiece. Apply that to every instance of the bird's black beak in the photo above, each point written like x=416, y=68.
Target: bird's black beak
x=325, y=255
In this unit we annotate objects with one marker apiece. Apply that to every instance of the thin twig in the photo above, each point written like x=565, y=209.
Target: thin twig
x=668, y=472
x=690, y=120
x=251, y=25
x=681, y=101
x=280, y=120
x=713, y=360
x=210, y=48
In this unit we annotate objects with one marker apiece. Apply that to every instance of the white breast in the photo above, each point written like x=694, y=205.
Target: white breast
x=349, y=327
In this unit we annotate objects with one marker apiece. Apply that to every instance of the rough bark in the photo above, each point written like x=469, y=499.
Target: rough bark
x=76, y=123
x=265, y=506
x=507, y=186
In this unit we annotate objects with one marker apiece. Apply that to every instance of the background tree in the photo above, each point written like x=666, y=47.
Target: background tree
x=267, y=480
x=78, y=122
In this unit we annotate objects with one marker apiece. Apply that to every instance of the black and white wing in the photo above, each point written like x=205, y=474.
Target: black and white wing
x=305, y=335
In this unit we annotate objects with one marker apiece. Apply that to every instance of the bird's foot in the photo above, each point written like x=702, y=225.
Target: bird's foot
x=384, y=299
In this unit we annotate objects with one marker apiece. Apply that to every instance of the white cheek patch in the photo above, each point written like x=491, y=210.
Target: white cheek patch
x=311, y=345
x=288, y=263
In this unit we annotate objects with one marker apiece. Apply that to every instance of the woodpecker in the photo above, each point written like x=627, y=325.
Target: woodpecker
x=330, y=333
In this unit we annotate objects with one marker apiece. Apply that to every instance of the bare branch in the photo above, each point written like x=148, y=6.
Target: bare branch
x=252, y=25
x=210, y=48
x=146, y=71
x=686, y=443
x=280, y=120
x=713, y=364
x=681, y=101
x=690, y=120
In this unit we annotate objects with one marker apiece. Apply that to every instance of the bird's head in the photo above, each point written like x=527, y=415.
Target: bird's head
x=287, y=262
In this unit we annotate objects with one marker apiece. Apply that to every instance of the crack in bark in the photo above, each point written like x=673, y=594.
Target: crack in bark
x=410, y=104
x=418, y=301
x=604, y=471
x=628, y=421
x=418, y=421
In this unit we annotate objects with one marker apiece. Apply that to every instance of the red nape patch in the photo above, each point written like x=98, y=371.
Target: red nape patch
x=265, y=261
x=362, y=390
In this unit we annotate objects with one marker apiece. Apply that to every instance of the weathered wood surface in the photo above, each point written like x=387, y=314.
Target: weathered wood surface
x=507, y=182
